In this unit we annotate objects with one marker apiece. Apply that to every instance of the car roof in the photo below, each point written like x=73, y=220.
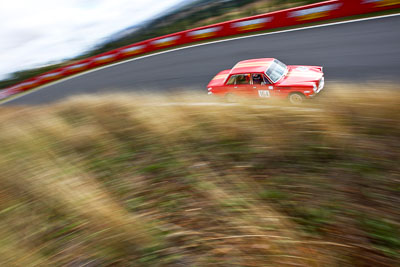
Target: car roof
x=259, y=65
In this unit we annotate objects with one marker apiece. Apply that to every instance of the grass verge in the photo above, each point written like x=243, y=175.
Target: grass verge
x=176, y=181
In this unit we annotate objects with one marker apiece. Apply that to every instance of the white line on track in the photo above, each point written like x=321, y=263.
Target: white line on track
x=191, y=46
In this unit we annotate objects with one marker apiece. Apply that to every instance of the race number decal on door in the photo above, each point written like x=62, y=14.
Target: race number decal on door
x=263, y=93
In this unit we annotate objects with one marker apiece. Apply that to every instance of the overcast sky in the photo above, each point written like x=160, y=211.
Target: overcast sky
x=35, y=32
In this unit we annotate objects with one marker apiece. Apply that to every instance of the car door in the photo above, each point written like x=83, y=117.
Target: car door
x=240, y=85
x=263, y=88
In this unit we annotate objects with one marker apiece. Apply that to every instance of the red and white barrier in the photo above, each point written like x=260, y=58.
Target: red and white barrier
x=284, y=18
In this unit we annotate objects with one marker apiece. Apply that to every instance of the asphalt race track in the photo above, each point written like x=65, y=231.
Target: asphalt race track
x=365, y=51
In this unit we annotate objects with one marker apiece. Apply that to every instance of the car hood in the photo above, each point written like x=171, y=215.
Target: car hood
x=301, y=75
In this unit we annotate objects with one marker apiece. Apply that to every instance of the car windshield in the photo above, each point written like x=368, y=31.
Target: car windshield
x=276, y=70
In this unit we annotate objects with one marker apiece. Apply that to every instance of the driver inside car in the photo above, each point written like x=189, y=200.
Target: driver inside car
x=257, y=79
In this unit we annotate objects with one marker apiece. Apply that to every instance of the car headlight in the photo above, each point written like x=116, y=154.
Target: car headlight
x=321, y=83
x=315, y=87
x=209, y=89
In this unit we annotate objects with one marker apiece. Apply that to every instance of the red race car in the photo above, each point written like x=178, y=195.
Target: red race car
x=268, y=77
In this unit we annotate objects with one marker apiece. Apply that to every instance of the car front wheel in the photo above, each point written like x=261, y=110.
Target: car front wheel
x=296, y=98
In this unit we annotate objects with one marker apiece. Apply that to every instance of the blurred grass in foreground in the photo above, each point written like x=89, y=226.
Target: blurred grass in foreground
x=142, y=181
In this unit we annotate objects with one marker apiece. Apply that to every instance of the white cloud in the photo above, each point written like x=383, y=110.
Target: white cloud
x=36, y=32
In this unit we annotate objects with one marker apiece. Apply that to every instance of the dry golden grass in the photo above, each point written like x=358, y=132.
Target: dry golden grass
x=152, y=180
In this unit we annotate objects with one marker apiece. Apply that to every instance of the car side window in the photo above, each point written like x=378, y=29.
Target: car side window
x=239, y=79
x=266, y=81
x=257, y=78
x=232, y=80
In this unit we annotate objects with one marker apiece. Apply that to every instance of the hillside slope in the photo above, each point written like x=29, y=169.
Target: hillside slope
x=178, y=181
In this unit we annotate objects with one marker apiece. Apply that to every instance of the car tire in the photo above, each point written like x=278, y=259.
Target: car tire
x=296, y=98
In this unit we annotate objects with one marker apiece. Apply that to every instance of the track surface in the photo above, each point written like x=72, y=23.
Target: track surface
x=354, y=52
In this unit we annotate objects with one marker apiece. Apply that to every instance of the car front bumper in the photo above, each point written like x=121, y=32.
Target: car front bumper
x=320, y=87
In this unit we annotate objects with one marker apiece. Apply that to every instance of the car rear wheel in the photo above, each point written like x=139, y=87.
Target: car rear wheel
x=296, y=98
x=231, y=98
